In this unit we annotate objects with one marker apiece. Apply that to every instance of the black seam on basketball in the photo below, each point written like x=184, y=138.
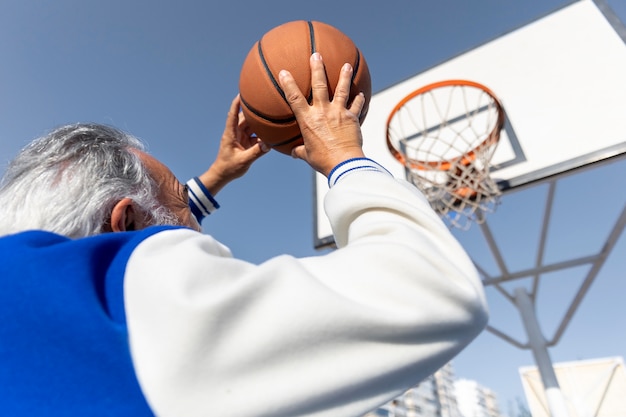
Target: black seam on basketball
x=313, y=50
x=256, y=112
x=269, y=73
x=311, y=36
x=356, y=66
x=285, y=142
x=354, y=74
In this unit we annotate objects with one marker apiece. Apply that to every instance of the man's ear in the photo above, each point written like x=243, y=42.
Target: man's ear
x=124, y=216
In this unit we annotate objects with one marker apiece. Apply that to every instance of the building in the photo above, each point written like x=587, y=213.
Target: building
x=475, y=400
x=433, y=397
x=446, y=394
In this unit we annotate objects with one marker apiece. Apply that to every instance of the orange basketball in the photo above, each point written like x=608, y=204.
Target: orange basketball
x=289, y=46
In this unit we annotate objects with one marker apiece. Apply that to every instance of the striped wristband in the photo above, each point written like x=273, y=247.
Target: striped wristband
x=201, y=201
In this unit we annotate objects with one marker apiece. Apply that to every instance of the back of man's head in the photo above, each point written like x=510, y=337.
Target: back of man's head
x=68, y=181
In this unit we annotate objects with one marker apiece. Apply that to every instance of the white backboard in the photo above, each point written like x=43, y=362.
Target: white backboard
x=562, y=82
x=593, y=387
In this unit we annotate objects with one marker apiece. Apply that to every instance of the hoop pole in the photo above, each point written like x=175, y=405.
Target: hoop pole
x=539, y=347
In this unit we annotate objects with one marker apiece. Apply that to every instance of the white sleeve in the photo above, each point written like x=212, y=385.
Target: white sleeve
x=333, y=335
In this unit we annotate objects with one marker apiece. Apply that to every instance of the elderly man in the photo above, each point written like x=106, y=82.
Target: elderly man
x=113, y=303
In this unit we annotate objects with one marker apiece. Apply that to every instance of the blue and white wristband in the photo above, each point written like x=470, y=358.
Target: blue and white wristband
x=352, y=165
x=201, y=201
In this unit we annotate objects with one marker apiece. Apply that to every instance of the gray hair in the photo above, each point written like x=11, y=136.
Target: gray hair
x=69, y=180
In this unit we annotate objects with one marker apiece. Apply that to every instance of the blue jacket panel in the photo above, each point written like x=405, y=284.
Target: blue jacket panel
x=63, y=338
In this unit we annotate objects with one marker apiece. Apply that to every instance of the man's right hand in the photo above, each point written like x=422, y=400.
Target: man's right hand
x=330, y=125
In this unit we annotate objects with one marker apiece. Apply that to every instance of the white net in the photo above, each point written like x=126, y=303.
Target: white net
x=446, y=136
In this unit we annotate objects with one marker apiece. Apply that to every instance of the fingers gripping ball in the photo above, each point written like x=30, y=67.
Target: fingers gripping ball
x=289, y=46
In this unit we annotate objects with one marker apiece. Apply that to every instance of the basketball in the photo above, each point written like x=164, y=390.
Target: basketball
x=290, y=46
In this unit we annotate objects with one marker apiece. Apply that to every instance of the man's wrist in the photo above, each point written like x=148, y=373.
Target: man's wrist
x=201, y=200
x=352, y=165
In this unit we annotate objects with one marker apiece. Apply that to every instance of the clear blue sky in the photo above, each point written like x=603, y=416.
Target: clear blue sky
x=167, y=72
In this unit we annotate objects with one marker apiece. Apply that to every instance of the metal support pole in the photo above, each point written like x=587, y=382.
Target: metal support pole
x=538, y=344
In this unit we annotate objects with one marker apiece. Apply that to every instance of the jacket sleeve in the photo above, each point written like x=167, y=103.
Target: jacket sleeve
x=332, y=335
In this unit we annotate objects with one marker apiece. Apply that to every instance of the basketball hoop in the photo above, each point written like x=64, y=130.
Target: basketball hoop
x=445, y=135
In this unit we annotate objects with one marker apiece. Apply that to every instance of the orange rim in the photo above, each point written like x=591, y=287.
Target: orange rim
x=464, y=159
